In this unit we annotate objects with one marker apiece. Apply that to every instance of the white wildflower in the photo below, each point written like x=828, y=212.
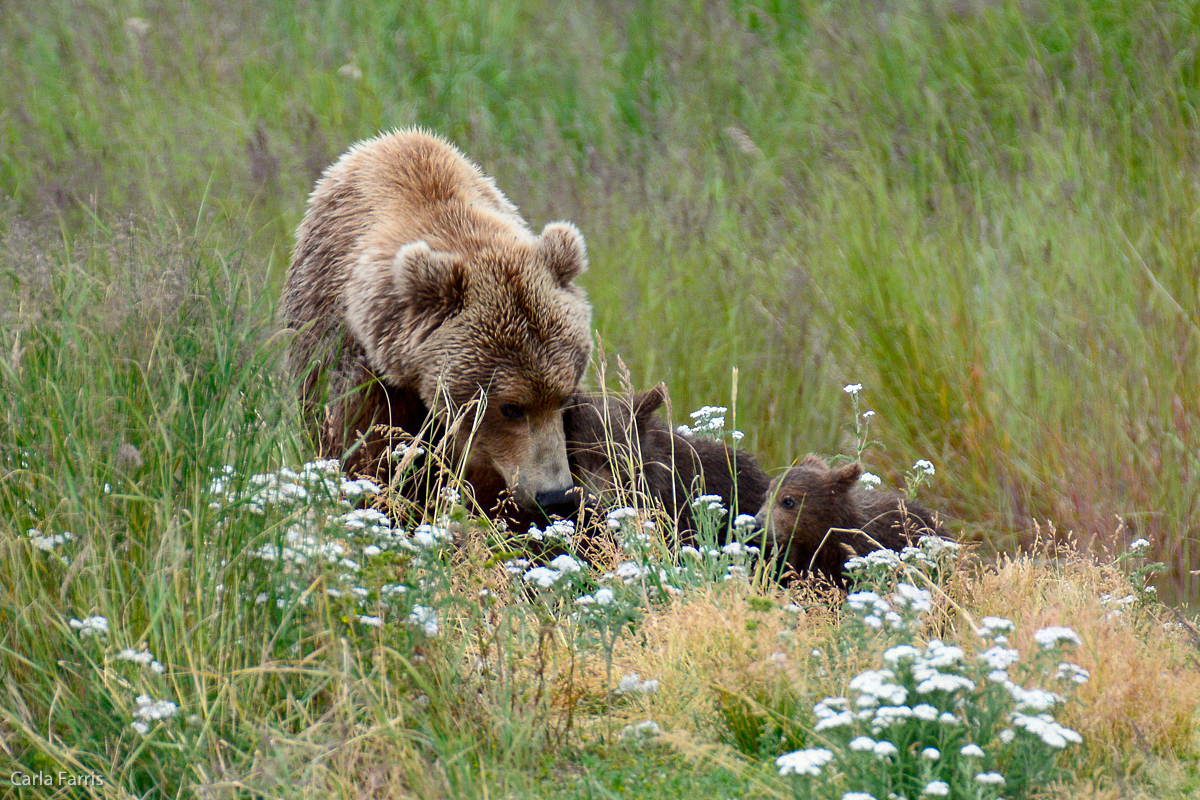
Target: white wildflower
x=931, y=754
x=990, y=778
x=926, y=712
x=148, y=710
x=1044, y=727
x=885, y=749
x=852, y=388
x=971, y=751
x=924, y=466
x=565, y=564
x=936, y=789
x=804, y=762
x=90, y=626
x=1072, y=672
x=1049, y=637
x=426, y=619
x=870, y=480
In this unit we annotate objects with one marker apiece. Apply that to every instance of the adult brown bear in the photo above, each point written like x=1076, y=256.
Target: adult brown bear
x=415, y=289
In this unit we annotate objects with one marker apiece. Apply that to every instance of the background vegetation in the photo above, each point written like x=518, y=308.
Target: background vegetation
x=987, y=213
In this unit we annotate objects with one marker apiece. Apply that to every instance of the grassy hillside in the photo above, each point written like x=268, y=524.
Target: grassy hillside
x=984, y=212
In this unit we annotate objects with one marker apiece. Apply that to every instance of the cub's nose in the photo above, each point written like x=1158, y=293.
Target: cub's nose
x=563, y=502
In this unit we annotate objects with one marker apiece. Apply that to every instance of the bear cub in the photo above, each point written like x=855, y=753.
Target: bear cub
x=818, y=518
x=617, y=444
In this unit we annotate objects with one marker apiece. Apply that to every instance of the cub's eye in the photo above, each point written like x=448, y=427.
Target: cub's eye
x=512, y=412
x=787, y=502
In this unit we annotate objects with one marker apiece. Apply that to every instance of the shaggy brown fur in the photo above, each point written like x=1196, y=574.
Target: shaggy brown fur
x=416, y=287
x=618, y=444
x=821, y=517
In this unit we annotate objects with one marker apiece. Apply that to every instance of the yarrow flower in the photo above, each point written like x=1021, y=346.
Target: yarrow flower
x=90, y=626
x=426, y=619
x=1049, y=637
x=804, y=762
x=1139, y=547
x=148, y=710
x=852, y=388
x=936, y=789
x=924, y=466
x=869, y=480
x=633, y=682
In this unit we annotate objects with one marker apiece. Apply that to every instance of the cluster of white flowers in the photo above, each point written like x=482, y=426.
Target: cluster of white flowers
x=804, y=762
x=1139, y=548
x=149, y=710
x=48, y=543
x=899, y=612
x=931, y=552
x=869, y=480
x=706, y=420
x=286, y=488
x=143, y=657
x=545, y=577
x=919, y=689
x=561, y=532
x=633, y=684
x=924, y=466
x=601, y=597
x=90, y=626
x=426, y=619
x=709, y=502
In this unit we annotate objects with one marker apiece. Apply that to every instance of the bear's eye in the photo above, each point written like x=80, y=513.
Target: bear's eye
x=512, y=412
x=787, y=502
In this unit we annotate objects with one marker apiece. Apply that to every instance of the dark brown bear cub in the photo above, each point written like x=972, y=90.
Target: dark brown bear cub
x=817, y=518
x=616, y=444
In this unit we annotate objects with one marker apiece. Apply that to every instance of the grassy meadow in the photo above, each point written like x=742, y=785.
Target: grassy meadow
x=985, y=212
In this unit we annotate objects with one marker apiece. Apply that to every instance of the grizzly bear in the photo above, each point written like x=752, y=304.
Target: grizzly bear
x=415, y=289
x=616, y=445
x=817, y=518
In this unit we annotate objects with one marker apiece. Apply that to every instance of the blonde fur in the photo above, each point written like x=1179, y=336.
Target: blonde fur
x=416, y=278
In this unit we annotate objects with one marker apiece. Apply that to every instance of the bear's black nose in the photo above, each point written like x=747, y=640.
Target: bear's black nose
x=562, y=502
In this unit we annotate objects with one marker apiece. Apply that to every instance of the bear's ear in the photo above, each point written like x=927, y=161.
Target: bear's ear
x=562, y=250
x=814, y=462
x=431, y=281
x=647, y=402
x=844, y=478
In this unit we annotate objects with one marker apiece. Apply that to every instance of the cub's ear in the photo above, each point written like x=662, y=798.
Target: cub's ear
x=433, y=283
x=562, y=250
x=845, y=477
x=647, y=402
x=814, y=462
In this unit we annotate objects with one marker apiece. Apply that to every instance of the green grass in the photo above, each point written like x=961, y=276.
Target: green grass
x=985, y=212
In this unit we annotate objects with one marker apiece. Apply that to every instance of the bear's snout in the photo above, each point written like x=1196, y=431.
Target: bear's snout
x=563, y=502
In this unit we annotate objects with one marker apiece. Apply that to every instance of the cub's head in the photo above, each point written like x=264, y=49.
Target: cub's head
x=805, y=502
x=505, y=324
x=604, y=435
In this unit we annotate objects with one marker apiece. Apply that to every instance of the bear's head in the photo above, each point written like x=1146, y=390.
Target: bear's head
x=804, y=503
x=502, y=323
